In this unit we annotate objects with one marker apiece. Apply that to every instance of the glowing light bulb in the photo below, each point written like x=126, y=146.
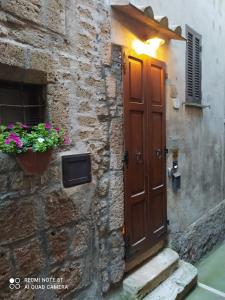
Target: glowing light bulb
x=139, y=47
x=150, y=47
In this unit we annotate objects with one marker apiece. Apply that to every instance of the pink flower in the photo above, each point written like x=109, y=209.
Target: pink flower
x=57, y=129
x=66, y=140
x=48, y=125
x=10, y=125
x=14, y=138
x=24, y=126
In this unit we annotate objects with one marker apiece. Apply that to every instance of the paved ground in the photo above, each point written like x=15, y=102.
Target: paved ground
x=211, y=277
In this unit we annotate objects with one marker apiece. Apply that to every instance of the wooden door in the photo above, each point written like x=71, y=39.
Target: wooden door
x=144, y=159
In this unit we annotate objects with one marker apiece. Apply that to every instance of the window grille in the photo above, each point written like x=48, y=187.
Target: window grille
x=21, y=102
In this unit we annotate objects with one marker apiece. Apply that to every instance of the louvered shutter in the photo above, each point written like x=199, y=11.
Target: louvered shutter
x=193, y=66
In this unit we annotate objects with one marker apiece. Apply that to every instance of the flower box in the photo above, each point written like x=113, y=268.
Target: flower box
x=32, y=146
x=34, y=163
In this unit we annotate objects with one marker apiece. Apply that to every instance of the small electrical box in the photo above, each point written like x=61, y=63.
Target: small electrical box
x=175, y=175
x=176, y=181
x=76, y=169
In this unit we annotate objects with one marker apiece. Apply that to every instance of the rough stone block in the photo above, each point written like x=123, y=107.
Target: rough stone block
x=12, y=54
x=7, y=163
x=80, y=240
x=56, y=15
x=22, y=294
x=3, y=31
x=102, y=113
x=87, y=120
x=117, y=264
x=83, y=92
x=42, y=61
x=65, y=61
x=107, y=56
x=17, y=220
x=71, y=276
x=98, y=134
x=58, y=244
x=116, y=144
x=103, y=187
x=29, y=258
x=84, y=106
x=105, y=281
x=18, y=181
x=59, y=208
x=111, y=86
x=117, y=270
x=30, y=36
x=116, y=239
x=5, y=269
x=29, y=10
x=85, y=11
x=53, y=174
x=116, y=206
x=3, y=183
x=58, y=96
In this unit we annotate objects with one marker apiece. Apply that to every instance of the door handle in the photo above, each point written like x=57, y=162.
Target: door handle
x=138, y=156
x=158, y=153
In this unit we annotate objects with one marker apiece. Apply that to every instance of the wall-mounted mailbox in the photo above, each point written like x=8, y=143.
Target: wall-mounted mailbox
x=76, y=169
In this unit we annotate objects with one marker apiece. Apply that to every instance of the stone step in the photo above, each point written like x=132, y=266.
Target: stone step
x=149, y=276
x=178, y=285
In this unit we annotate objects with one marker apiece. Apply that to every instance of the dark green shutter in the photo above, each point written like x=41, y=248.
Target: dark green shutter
x=193, y=66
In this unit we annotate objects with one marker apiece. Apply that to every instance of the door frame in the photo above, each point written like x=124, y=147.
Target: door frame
x=155, y=246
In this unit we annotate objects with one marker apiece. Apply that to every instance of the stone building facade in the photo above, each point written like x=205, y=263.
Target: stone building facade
x=76, y=233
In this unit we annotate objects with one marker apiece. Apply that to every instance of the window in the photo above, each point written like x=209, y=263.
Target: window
x=193, y=66
x=21, y=102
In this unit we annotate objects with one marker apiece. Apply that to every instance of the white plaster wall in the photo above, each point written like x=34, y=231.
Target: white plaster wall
x=198, y=134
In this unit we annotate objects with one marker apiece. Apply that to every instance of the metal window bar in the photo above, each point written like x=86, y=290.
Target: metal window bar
x=21, y=106
x=31, y=113
x=22, y=101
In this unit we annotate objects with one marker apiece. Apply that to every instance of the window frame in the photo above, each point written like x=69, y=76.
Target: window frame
x=193, y=99
x=32, y=92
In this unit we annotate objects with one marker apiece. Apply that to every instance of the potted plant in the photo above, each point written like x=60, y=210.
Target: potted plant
x=32, y=146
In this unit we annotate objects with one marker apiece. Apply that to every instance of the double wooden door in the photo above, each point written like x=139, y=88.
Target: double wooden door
x=144, y=157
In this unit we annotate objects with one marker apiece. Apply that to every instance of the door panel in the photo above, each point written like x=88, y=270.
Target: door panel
x=144, y=169
x=137, y=149
x=158, y=215
x=156, y=77
x=136, y=79
x=157, y=129
x=157, y=142
x=135, y=143
x=138, y=228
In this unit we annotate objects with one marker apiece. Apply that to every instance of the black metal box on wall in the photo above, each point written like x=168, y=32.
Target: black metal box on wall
x=76, y=169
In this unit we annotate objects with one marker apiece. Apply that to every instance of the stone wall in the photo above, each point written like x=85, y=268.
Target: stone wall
x=46, y=230
x=75, y=234
x=201, y=236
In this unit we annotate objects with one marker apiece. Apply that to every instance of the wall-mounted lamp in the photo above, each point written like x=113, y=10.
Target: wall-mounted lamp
x=150, y=47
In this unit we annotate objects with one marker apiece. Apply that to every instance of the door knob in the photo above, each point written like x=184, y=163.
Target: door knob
x=138, y=156
x=158, y=153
